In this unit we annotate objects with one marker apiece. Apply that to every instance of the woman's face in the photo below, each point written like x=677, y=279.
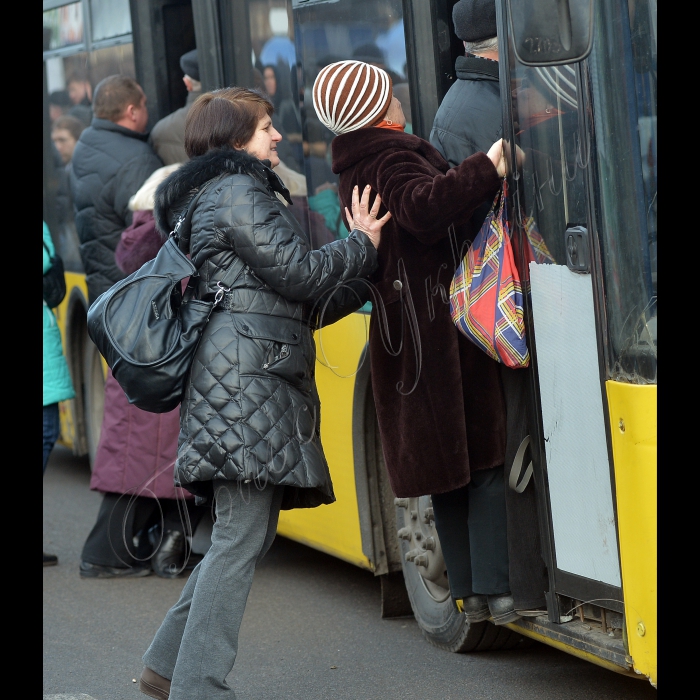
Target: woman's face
x=270, y=81
x=263, y=144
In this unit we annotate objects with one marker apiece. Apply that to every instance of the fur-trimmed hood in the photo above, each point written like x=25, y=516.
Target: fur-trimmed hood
x=175, y=191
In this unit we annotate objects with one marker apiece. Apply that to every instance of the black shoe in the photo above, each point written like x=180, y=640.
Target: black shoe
x=476, y=608
x=169, y=559
x=88, y=570
x=502, y=609
x=50, y=559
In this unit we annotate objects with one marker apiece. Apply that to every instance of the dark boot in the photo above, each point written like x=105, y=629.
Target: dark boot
x=502, y=609
x=476, y=608
x=169, y=557
x=50, y=559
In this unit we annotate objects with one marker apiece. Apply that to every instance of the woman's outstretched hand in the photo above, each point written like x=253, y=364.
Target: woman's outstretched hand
x=365, y=218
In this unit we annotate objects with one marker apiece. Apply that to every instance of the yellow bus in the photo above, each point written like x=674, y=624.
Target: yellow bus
x=587, y=186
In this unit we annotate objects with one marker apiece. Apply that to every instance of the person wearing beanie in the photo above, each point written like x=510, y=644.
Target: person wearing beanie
x=467, y=122
x=439, y=401
x=168, y=135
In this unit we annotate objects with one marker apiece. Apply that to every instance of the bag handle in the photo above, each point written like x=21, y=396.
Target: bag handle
x=186, y=220
x=186, y=217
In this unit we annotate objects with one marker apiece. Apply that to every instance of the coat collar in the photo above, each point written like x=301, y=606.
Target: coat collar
x=350, y=148
x=106, y=125
x=476, y=68
x=178, y=187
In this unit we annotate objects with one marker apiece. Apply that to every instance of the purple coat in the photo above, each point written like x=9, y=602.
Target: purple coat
x=137, y=449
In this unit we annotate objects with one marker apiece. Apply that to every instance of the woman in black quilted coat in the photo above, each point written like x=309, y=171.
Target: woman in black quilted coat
x=249, y=420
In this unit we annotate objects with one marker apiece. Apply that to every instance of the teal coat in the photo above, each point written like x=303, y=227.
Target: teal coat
x=57, y=383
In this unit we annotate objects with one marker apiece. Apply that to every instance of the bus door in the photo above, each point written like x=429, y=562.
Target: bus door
x=584, y=216
x=559, y=261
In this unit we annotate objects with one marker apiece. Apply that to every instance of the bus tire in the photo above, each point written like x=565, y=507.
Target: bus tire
x=93, y=396
x=441, y=623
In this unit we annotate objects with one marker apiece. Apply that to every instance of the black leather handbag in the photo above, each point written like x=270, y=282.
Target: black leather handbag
x=147, y=330
x=54, y=281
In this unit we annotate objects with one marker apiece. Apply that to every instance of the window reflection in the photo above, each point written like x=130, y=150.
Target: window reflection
x=291, y=41
x=552, y=193
x=70, y=82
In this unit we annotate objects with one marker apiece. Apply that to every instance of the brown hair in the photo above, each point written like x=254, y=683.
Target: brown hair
x=224, y=118
x=114, y=94
x=70, y=123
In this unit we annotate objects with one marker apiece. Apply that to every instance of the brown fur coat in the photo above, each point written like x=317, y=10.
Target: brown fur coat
x=439, y=398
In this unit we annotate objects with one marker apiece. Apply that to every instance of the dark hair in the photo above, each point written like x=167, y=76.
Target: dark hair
x=224, y=118
x=71, y=124
x=114, y=94
x=78, y=76
x=60, y=98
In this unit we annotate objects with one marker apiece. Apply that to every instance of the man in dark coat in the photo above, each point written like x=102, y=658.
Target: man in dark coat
x=468, y=121
x=110, y=162
x=438, y=397
x=168, y=135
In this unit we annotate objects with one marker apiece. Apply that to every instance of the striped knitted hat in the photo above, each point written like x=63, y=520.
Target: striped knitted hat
x=349, y=95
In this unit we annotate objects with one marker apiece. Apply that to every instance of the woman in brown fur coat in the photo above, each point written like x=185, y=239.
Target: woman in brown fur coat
x=439, y=398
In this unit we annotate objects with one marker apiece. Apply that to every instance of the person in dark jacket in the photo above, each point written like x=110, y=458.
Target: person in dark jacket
x=168, y=135
x=249, y=423
x=438, y=397
x=467, y=122
x=80, y=93
x=110, y=162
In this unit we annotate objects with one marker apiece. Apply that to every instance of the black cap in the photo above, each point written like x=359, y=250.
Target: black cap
x=475, y=20
x=189, y=64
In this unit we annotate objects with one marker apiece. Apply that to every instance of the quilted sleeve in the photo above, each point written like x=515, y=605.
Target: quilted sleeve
x=249, y=217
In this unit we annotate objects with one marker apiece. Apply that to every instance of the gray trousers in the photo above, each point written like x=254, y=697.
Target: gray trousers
x=196, y=645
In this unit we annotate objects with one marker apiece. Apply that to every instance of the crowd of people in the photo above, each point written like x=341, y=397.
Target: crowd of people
x=300, y=214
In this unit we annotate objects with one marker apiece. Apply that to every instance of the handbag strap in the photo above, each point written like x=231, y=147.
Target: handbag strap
x=186, y=221
x=186, y=218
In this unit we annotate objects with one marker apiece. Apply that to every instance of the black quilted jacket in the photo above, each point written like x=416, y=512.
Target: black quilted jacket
x=250, y=412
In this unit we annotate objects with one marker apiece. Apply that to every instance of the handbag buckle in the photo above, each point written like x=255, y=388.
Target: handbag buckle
x=220, y=292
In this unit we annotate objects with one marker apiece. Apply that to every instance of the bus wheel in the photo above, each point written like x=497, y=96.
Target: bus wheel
x=94, y=395
x=428, y=589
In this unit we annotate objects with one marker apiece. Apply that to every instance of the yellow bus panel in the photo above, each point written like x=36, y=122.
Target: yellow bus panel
x=67, y=413
x=633, y=429
x=335, y=529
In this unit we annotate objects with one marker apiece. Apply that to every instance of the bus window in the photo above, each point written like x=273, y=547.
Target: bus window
x=71, y=74
x=623, y=87
x=70, y=83
x=291, y=41
x=552, y=196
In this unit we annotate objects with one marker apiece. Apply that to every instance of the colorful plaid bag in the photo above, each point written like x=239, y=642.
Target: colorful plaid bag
x=486, y=300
